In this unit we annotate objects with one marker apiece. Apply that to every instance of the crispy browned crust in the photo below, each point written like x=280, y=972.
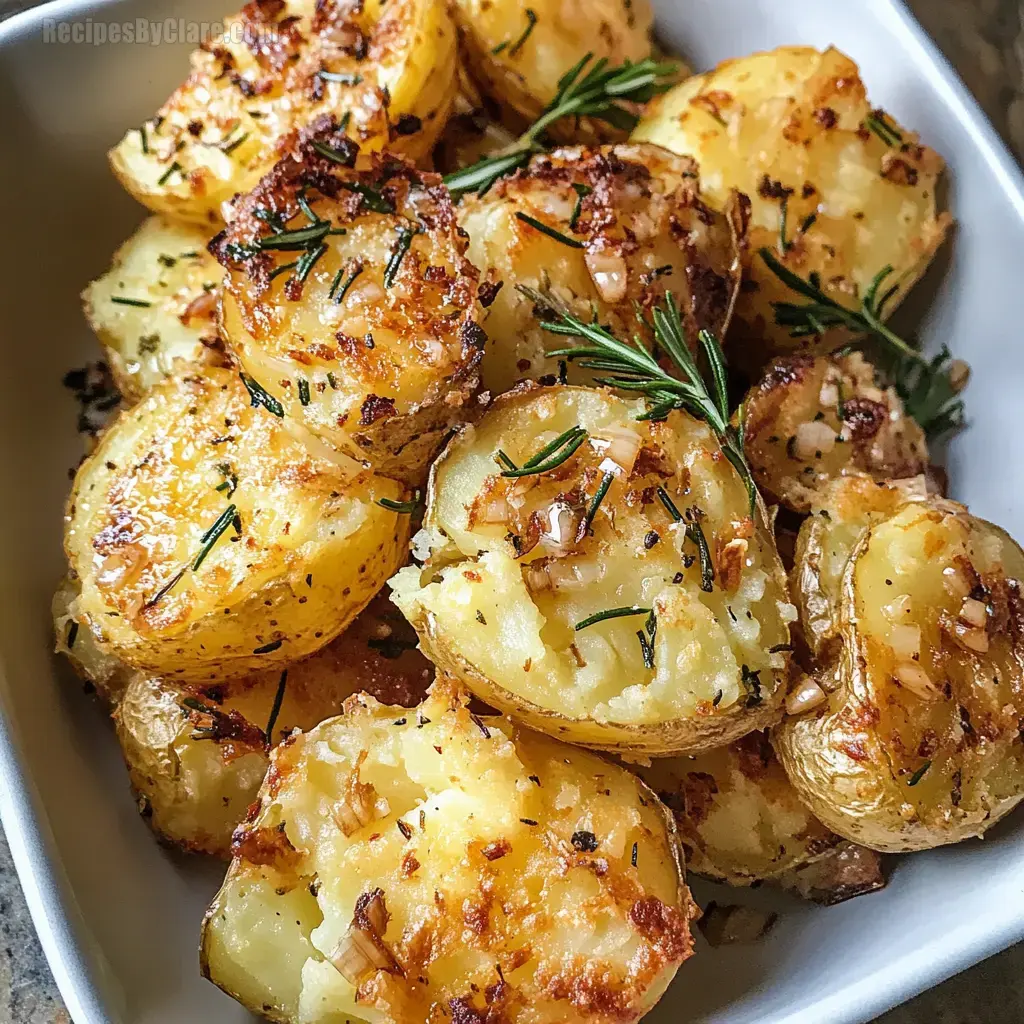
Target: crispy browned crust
x=870, y=432
x=439, y=297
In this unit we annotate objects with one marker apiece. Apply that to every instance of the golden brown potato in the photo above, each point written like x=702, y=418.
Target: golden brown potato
x=836, y=189
x=155, y=310
x=910, y=738
x=371, y=342
x=515, y=574
x=519, y=54
x=739, y=818
x=812, y=419
x=433, y=865
x=107, y=675
x=207, y=543
x=279, y=66
x=196, y=758
x=637, y=228
x=742, y=823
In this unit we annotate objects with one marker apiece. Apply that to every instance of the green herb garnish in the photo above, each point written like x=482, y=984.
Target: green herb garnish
x=303, y=386
x=372, y=199
x=275, y=710
x=340, y=76
x=549, y=231
x=877, y=122
x=599, y=93
x=612, y=613
x=631, y=367
x=121, y=300
x=551, y=456
x=582, y=191
x=260, y=396
x=531, y=18
x=357, y=269
x=405, y=508
x=213, y=534
x=162, y=180
x=595, y=504
x=919, y=774
x=695, y=533
x=925, y=385
x=398, y=253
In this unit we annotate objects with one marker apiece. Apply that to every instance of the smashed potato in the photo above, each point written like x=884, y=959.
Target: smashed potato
x=389, y=68
x=742, y=822
x=155, y=310
x=432, y=865
x=837, y=189
x=196, y=758
x=811, y=419
x=353, y=303
x=626, y=599
x=913, y=740
x=519, y=54
x=629, y=225
x=207, y=543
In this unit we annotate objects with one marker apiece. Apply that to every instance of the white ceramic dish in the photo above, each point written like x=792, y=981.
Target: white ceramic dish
x=118, y=917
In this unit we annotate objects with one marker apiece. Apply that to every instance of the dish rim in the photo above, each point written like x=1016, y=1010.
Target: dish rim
x=41, y=875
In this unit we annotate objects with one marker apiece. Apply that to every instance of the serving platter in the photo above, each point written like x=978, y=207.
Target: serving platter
x=118, y=917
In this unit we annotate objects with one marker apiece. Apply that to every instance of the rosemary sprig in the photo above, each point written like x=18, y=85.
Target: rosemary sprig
x=631, y=367
x=550, y=457
x=398, y=253
x=695, y=532
x=612, y=613
x=599, y=496
x=276, y=708
x=548, y=230
x=372, y=199
x=926, y=386
x=213, y=534
x=582, y=191
x=405, y=508
x=598, y=92
x=877, y=122
x=303, y=387
x=919, y=774
x=259, y=395
x=531, y=19
x=339, y=288
x=122, y=300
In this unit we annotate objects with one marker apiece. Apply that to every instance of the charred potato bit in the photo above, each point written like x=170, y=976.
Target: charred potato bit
x=432, y=865
x=838, y=190
x=810, y=420
x=389, y=68
x=350, y=300
x=208, y=543
x=570, y=595
x=519, y=54
x=196, y=758
x=155, y=310
x=921, y=629
x=604, y=229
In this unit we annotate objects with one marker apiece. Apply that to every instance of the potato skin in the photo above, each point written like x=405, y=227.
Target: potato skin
x=224, y=127
x=523, y=73
x=458, y=815
x=314, y=546
x=911, y=750
x=788, y=128
x=644, y=231
x=487, y=610
x=384, y=373
x=99, y=670
x=740, y=820
x=171, y=326
x=810, y=419
x=196, y=757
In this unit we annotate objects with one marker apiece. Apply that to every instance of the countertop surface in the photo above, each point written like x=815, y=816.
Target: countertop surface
x=985, y=41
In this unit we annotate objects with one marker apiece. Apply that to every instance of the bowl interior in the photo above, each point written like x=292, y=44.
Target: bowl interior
x=118, y=915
